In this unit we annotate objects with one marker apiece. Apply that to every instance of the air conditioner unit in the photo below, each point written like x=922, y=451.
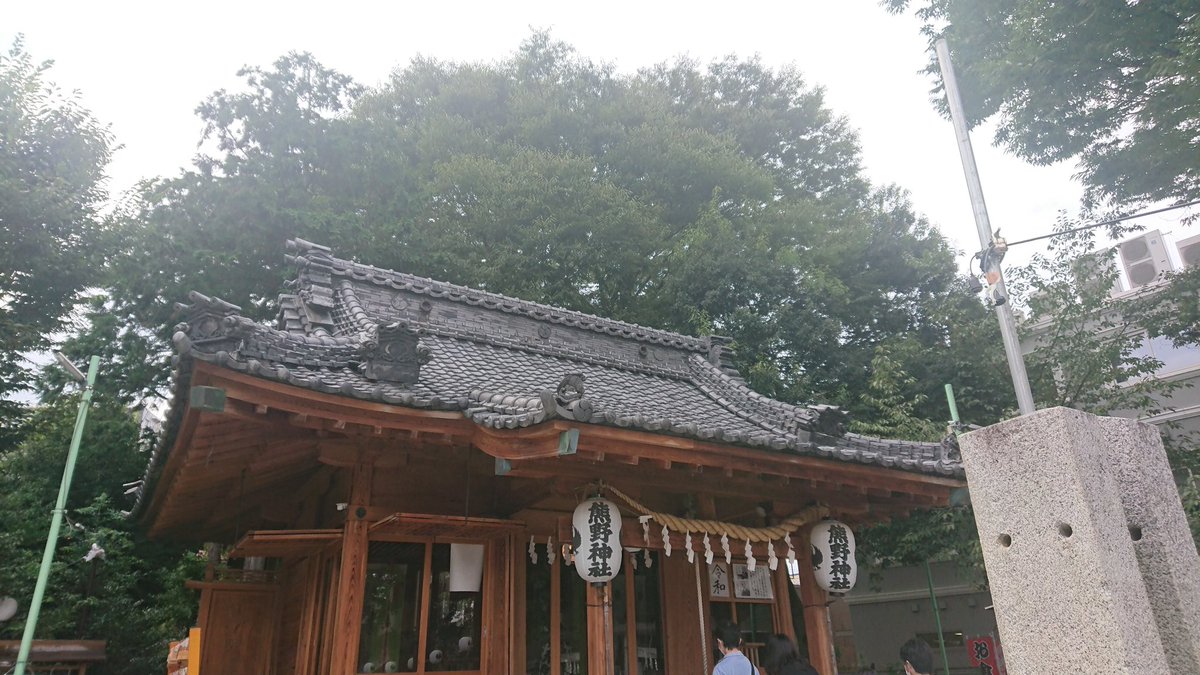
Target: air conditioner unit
x=1145, y=259
x=1189, y=251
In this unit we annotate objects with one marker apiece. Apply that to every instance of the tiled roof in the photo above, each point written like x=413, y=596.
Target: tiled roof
x=367, y=333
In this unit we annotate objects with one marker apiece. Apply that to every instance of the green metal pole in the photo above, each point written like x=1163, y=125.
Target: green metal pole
x=937, y=616
x=950, y=401
x=35, y=605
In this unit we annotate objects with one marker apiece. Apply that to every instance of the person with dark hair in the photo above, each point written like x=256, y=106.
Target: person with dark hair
x=782, y=658
x=733, y=661
x=917, y=657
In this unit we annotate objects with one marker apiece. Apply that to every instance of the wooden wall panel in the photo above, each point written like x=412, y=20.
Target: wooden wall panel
x=332, y=573
x=293, y=594
x=684, y=645
x=238, y=626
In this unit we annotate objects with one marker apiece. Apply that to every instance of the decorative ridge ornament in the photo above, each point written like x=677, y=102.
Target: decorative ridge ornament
x=394, y=353
x=568, y=399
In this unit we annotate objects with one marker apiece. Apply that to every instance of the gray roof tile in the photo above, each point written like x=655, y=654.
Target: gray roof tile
x=499, y=360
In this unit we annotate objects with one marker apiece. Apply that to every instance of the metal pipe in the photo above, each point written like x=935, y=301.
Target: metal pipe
x=937, y=616
x=951, y=402
x=39, y=590
x=991, y=263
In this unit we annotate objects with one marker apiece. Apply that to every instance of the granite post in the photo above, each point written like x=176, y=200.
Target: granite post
x=1065, y=579
x=1162, y=540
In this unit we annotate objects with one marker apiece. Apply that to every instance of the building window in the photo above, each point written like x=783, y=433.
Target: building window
x=1174, y=359
x=556, y=618
x=637, y=616
x=405, y=632
x=746, y=598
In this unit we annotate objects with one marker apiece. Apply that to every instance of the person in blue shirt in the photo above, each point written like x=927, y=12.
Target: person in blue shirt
x=733, y=661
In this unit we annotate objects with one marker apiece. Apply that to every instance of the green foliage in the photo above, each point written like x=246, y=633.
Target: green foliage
x=721, y=198
x=134, y=598
x=1087, y=355
x=892, y=415
x=52, y=157
x=1115, y=85
x=1087, y=344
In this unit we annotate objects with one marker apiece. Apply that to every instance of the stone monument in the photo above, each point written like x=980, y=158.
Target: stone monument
x=1091, y=563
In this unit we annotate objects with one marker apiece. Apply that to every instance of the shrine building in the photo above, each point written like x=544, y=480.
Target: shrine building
x=404, y=475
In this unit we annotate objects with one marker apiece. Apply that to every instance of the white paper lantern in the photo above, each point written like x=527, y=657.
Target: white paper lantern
x=596, y=536
x=833, y=556
x=466, y=568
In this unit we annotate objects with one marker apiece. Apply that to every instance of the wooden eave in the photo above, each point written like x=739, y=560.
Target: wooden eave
x=284, y=543
x=273, y=435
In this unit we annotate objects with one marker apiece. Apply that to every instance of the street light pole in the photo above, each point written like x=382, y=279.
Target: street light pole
x=990, y=261
x=39, y=590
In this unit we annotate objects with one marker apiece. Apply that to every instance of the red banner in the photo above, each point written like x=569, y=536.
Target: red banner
x=982, y=653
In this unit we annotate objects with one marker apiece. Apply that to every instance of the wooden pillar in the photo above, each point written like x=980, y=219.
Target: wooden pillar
x=816, y=611
x=352, y=573
x=685, y=639
x=601, y=656
x=781, y=611
x=516, y=605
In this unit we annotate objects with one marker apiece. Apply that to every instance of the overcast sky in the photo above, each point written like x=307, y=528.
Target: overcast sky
x=142, y=67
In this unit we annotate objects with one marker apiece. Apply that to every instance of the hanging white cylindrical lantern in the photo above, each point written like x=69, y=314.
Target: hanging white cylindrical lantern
x=466, y=568
x=833, y=556
x=596, y=535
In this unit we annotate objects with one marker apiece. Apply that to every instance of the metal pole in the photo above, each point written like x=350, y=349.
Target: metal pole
x=991, y=263
x=937, y=616
x=953, y=405
x=39, y=590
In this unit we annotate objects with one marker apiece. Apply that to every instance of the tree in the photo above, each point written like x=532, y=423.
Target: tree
x=721, y=198
x=1087, y=354
x=134, y=598
x=52, y=157
x=1090, y=348
x=1115, y=85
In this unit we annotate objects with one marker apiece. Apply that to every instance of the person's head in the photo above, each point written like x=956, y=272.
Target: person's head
x=917, y=657
x=779, y=652
x=729, y=637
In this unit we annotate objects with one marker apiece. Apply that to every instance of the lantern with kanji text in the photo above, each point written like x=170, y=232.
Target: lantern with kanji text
x=596, y=538
x=833, y=556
